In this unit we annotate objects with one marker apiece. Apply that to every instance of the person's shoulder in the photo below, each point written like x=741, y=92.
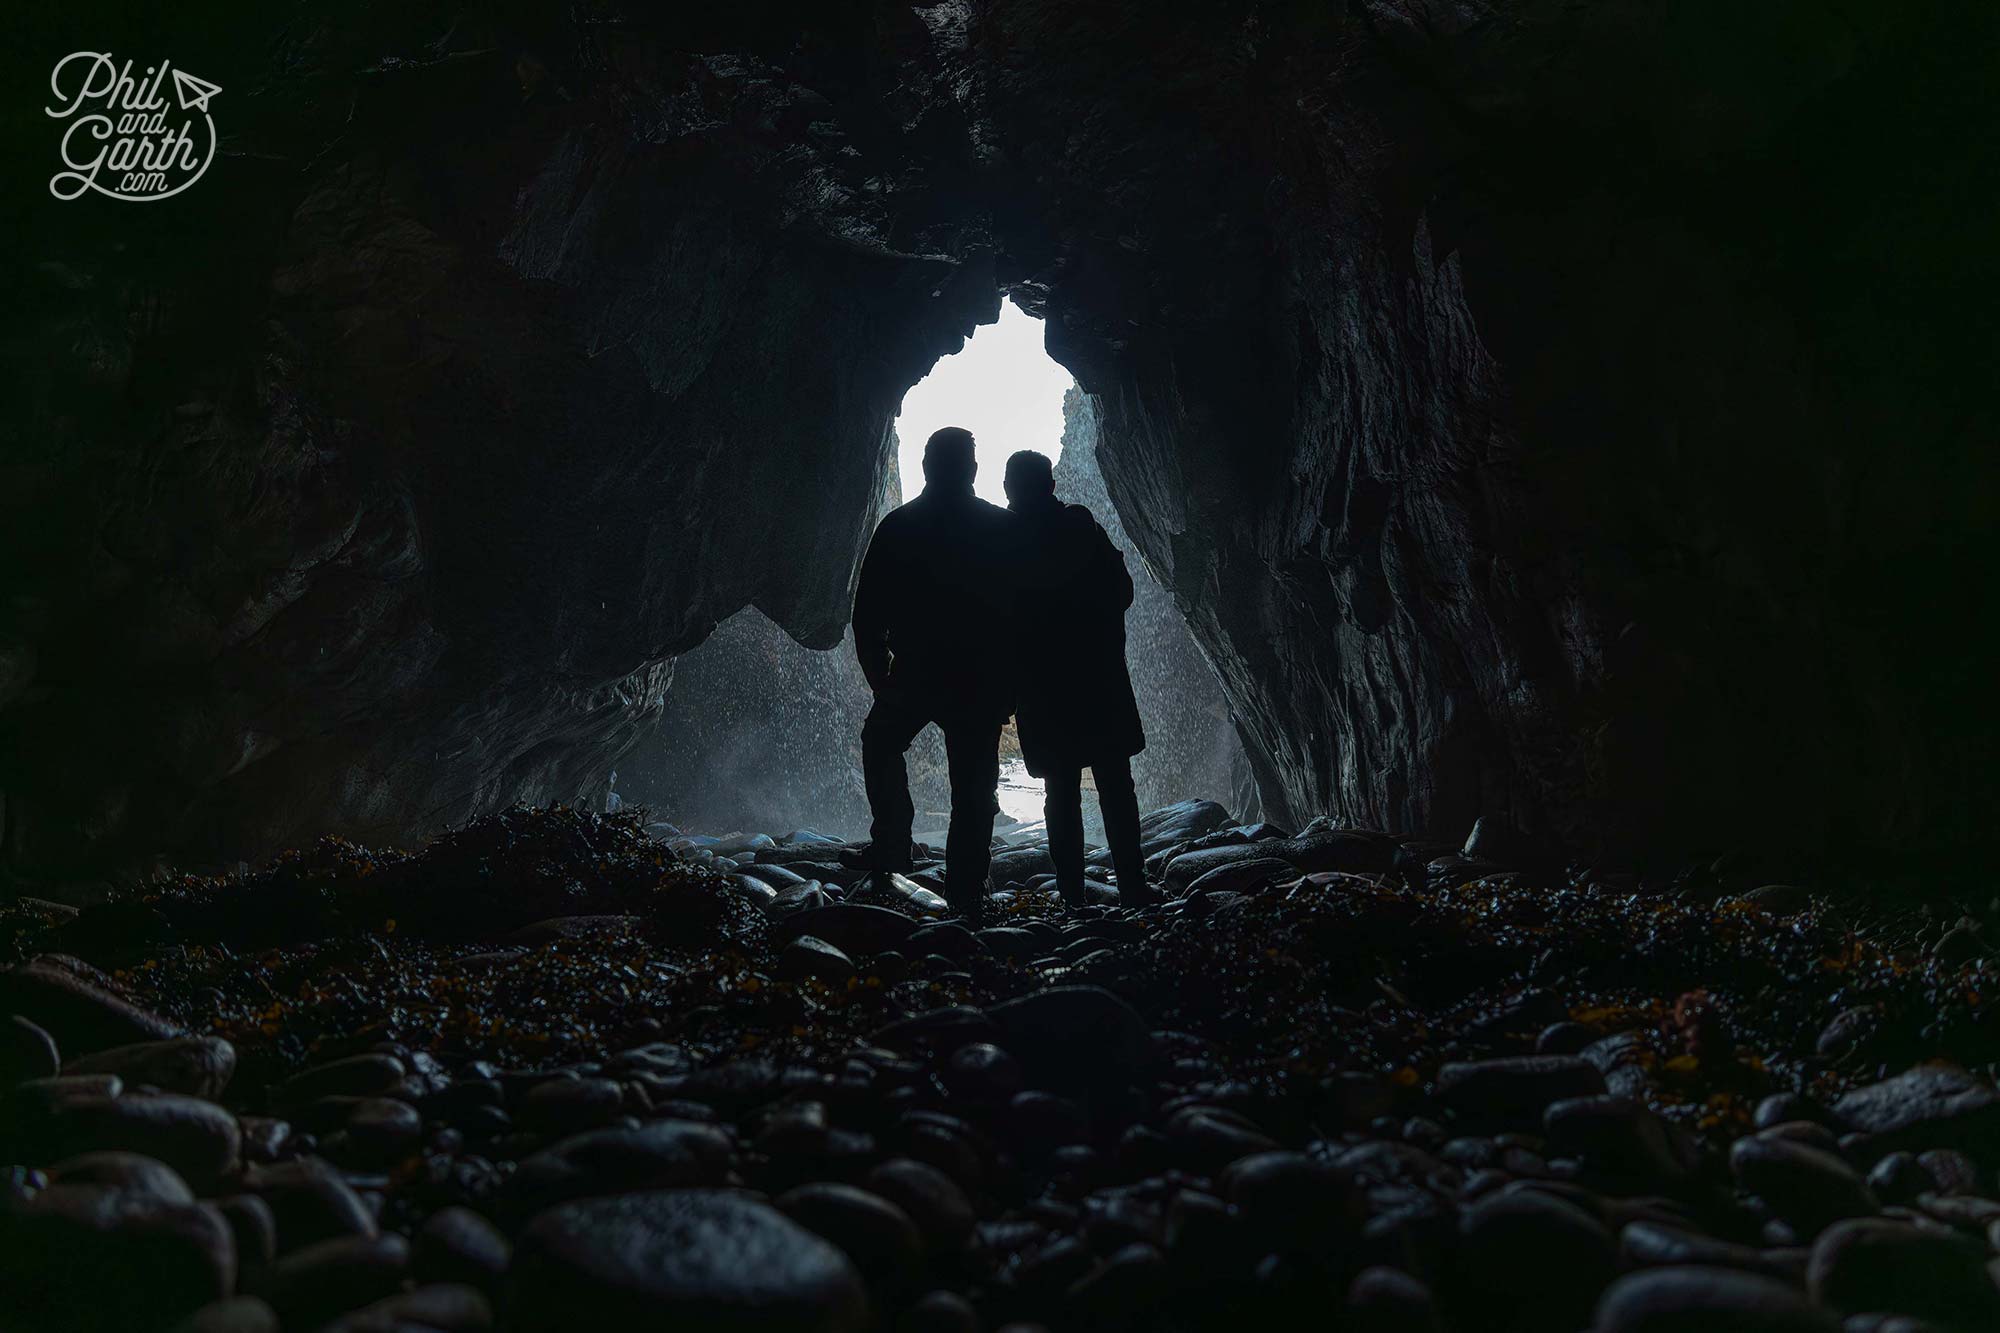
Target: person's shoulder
x=1079, y=517
x=894, y=533
x=902, y=516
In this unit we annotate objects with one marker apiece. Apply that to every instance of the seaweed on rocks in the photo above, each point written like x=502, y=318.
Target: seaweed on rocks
x=494, y=874
x=539, y=935
x=1288, y=1091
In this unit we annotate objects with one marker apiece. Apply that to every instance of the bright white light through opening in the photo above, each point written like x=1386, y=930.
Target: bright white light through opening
x=1002, y=387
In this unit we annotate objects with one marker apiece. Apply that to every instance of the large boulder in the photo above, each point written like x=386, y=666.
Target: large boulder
x=679, y=1259
x=1891, y=1265
x=197, y=1138
x=1690, y=1299
x=1066, y=1036
x=97, y=1256
x=197, y=1066
x=78, y=1006
x=1930, y=1106
x=1182, y=821
x=857, y=929
x=662, y=1154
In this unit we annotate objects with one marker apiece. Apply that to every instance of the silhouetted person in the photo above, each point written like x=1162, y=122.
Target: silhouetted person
x=929, y=629
x=1075, y=708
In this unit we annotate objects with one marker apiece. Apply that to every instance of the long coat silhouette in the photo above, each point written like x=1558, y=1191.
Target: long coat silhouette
x=1076, y=706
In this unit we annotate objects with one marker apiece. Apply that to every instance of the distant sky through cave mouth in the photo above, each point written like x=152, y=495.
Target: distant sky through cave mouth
x=1002, y=387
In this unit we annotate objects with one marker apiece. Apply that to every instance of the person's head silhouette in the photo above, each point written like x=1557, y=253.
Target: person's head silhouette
x=1030, y=480
x=949, y=463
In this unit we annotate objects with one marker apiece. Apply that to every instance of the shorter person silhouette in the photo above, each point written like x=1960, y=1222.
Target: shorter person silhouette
x=1074, y=706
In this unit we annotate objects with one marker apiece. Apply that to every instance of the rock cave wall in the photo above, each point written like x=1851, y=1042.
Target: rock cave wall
x=1576, y=415
x=760, y=732
x=505, y=354
x=1192, y=752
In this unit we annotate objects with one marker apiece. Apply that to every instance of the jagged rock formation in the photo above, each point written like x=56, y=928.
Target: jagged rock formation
x=760, y=730
x=1543, y=411
x=1579, y=415
x=1191, y=744
x=755, y=722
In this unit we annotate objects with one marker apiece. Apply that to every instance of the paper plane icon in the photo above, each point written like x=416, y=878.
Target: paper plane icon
x=194, y=93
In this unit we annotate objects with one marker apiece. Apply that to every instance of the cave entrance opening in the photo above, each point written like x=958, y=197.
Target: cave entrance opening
x=762, y=734
x=1005, y=389
x=1002, y=387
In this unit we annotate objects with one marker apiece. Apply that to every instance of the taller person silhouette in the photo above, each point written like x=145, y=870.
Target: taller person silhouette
x=1075, y=706
x=930, y=629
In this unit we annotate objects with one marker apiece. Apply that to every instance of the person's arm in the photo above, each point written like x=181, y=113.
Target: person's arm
x=871, y=625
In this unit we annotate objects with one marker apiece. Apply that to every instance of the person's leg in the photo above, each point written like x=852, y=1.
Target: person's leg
x=885, y=737
x=1062, y=806
x=972, y=752
x=1119, y=801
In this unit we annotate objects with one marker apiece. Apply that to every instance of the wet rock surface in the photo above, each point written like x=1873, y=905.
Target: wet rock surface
x=1332, y=1097
x=685, y=1258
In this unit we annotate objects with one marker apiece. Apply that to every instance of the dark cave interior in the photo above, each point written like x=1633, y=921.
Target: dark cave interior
x=1566, y=421
x=1565, y=431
